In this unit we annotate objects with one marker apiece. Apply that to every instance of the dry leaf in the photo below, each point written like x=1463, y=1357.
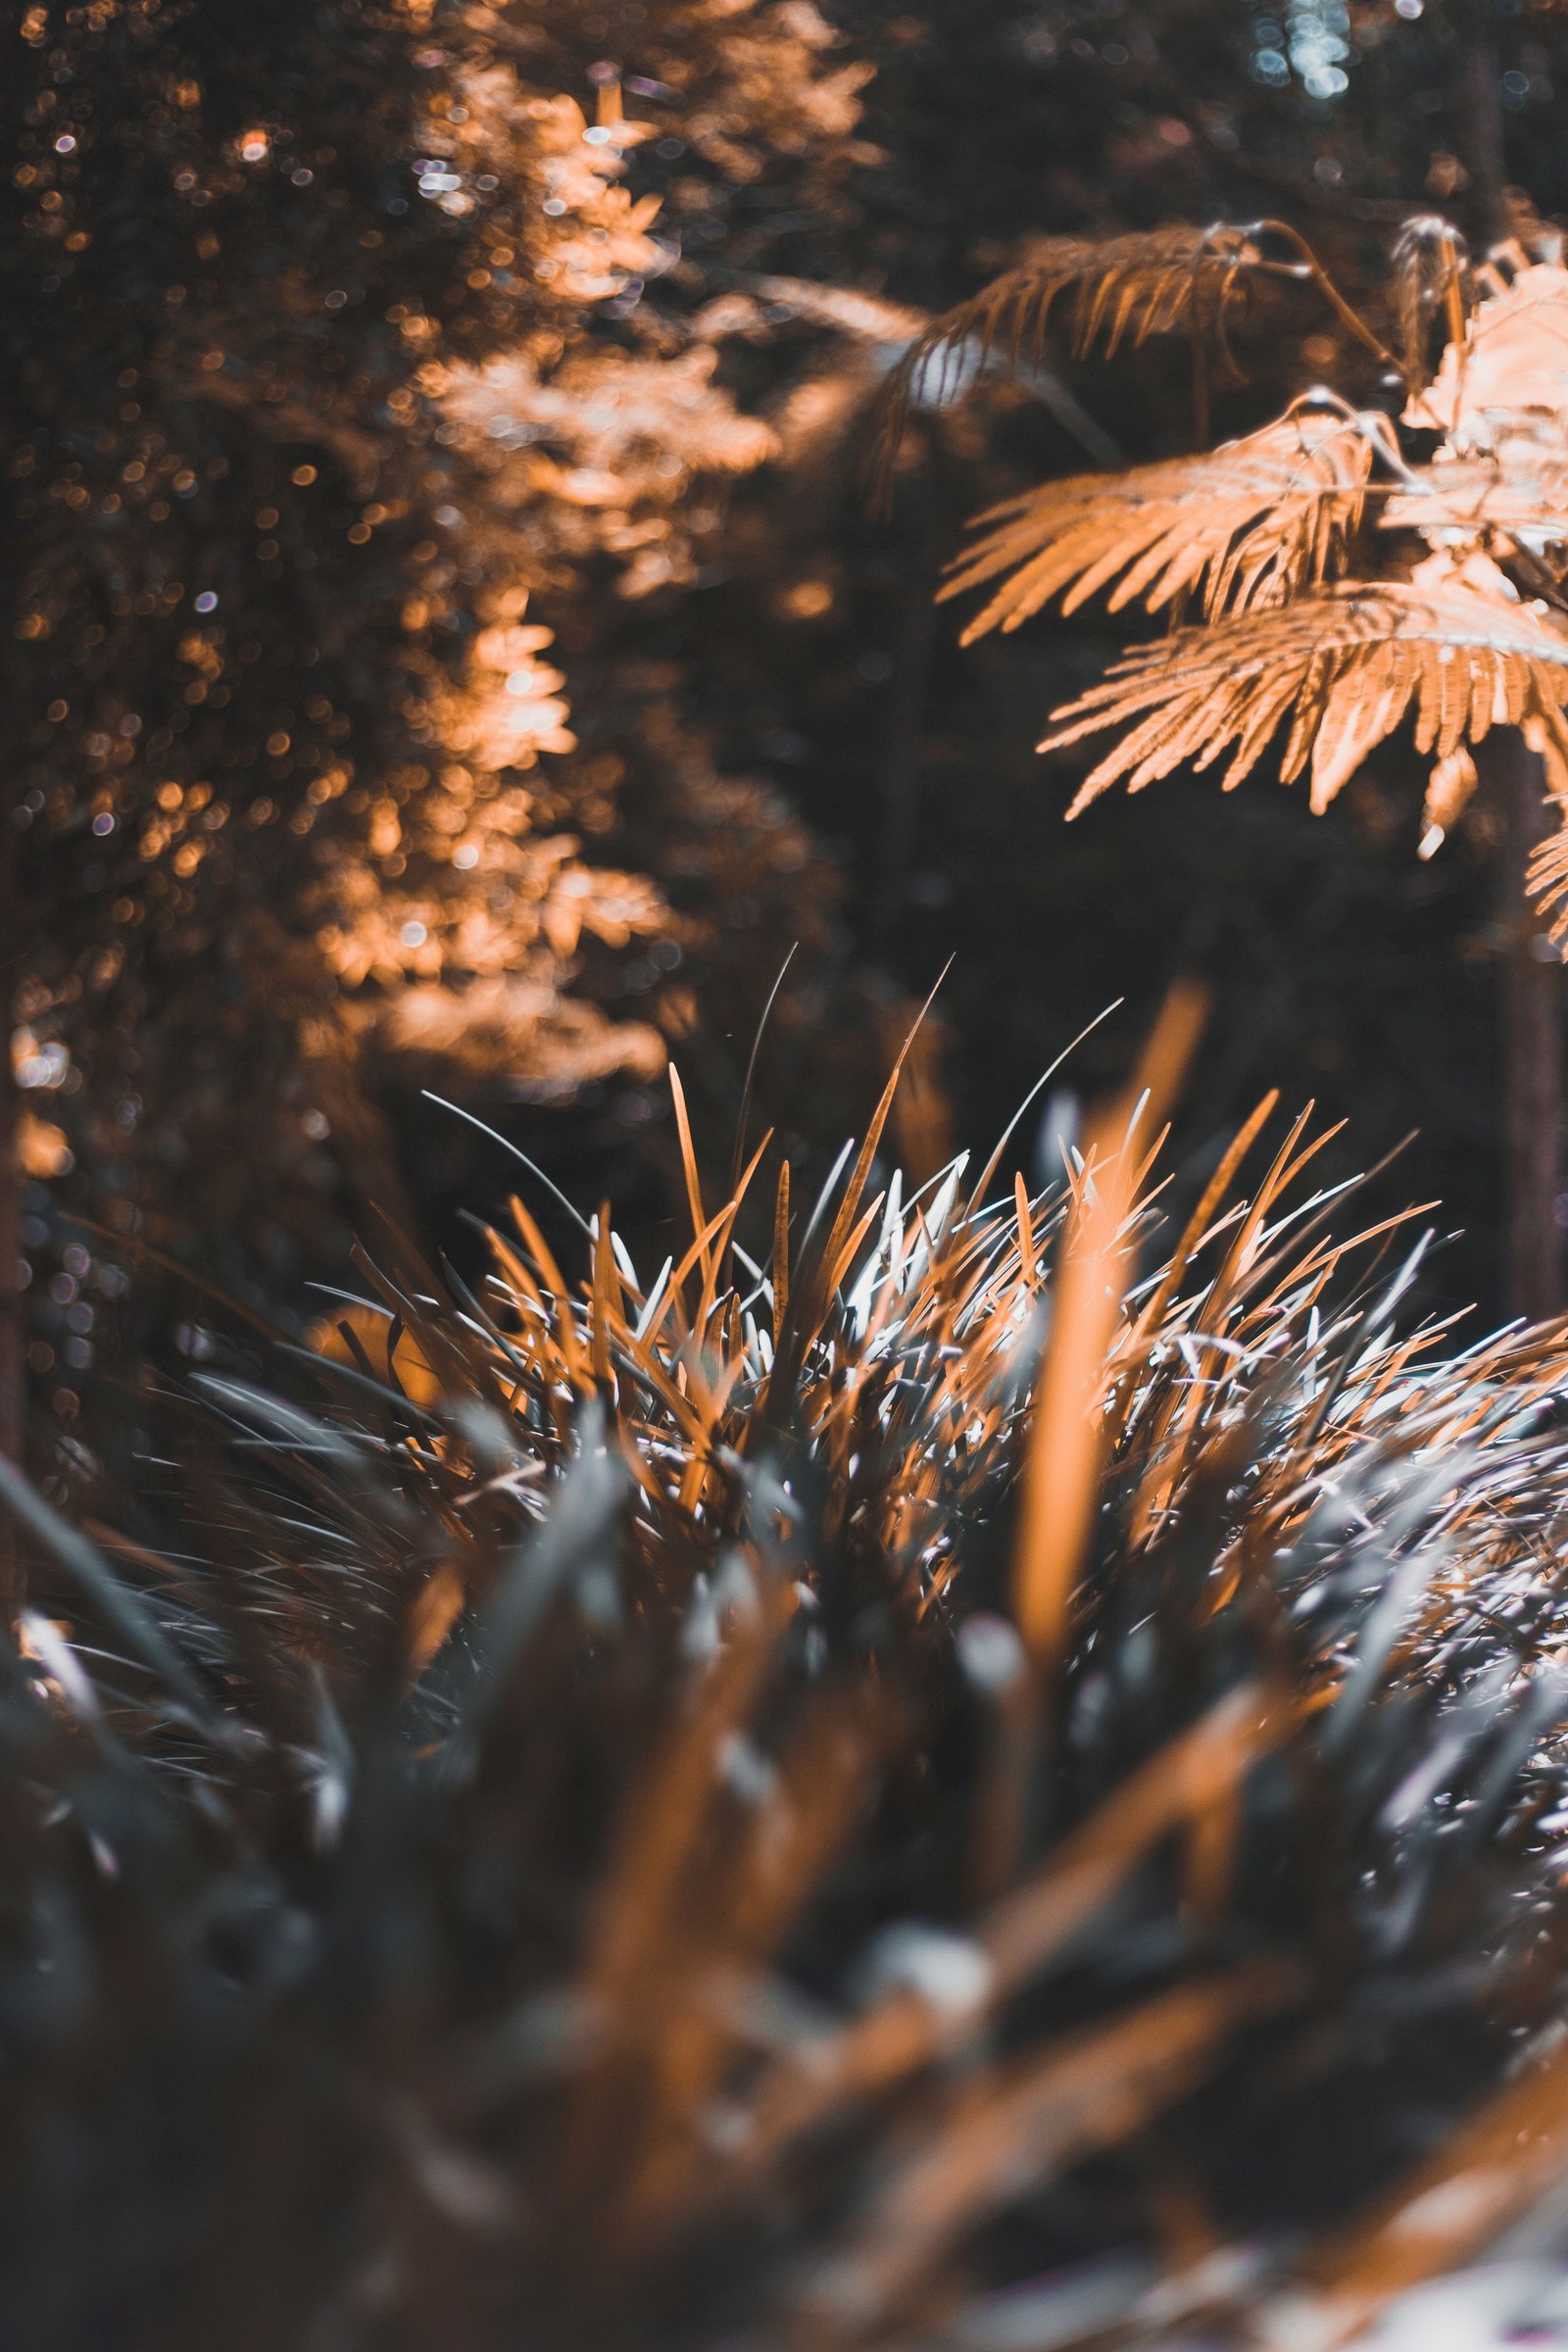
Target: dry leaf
x=1449, y=790
x=1514, y=359
x=1248, y=525
x=1345, y=666
x=1123, y=289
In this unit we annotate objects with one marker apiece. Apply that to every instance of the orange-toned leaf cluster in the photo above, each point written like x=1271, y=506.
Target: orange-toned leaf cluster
x=1346, y=583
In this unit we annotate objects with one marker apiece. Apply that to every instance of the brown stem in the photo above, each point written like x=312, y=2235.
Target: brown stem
x=1453, y=297
x=11, y=1301
x=1348, y=316
x=1533, y=1049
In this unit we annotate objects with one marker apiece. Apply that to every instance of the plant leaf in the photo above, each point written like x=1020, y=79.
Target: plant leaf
x=1344, y=664
x=1513, y=360
x=1247, y=525
x=1123, y=288
x=1449, y=790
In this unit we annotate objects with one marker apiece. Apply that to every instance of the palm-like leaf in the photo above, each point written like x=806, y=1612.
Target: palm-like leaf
x=1344, y=664
x=1513, y=496
x=1549, y=866
x=1123, y=288
x=1512, y=370
x=1248, y=525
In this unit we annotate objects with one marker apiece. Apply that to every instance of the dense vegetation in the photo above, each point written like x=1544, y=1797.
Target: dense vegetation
x=977, y=1762
x=888, y=1796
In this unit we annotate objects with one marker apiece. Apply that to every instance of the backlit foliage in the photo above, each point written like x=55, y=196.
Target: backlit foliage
x=1345, y=580
x=336, y=352
x=1279, y=520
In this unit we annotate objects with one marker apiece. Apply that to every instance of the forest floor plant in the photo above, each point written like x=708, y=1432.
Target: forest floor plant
x=955, y=1788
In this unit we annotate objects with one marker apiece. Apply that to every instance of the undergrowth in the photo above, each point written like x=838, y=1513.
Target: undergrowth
x=950, y=1790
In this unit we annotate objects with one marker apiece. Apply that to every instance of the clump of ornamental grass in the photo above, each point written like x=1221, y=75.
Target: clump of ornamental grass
x=946, y=1790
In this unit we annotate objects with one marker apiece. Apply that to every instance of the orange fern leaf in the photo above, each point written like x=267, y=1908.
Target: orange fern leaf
x=1548, y=875
x=1512, y=498
x=1344, y=664
x=1500, y=397
x=1250, y=523
x=1450, y=789
x=1123, y=288
x=1509, y=370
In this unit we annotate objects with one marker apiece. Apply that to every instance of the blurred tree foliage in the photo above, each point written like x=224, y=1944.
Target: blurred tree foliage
x=326, y=351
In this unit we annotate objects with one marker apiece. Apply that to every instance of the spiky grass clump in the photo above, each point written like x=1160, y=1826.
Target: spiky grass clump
x=939, y=1793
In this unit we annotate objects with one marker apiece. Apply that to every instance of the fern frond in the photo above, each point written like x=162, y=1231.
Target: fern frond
x=1123, y=289
x=1515, y=497
x=1430, y=280
x=1345, y=666
x=1509, y=374
x=1500, y=398
x=1449, y=790
x=1249, y=525
x=1548, y=875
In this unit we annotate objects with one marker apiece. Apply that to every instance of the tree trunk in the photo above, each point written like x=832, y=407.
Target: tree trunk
x=11, y=1348
x=13, y=1318
x=1533, y=1049
x=899, y=773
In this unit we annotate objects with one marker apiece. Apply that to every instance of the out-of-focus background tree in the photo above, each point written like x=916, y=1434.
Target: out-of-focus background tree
x=448, y=644
x=327, y=355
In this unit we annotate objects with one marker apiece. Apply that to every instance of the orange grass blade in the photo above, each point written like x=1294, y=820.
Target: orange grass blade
x=1028, y=2122
x=780, y=1268
x=1069, y=1433
x=688, y=1154
x=1172, y=1042
x=1029, y=1267
x=1062, y=1468
x=849, y=1206
x=641, y=1912
x=719, y=1256
x=437, y=1606
x=1510, y=2153
x=604, y=1300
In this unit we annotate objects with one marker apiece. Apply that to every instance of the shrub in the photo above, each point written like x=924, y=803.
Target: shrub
x=946, y=1789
